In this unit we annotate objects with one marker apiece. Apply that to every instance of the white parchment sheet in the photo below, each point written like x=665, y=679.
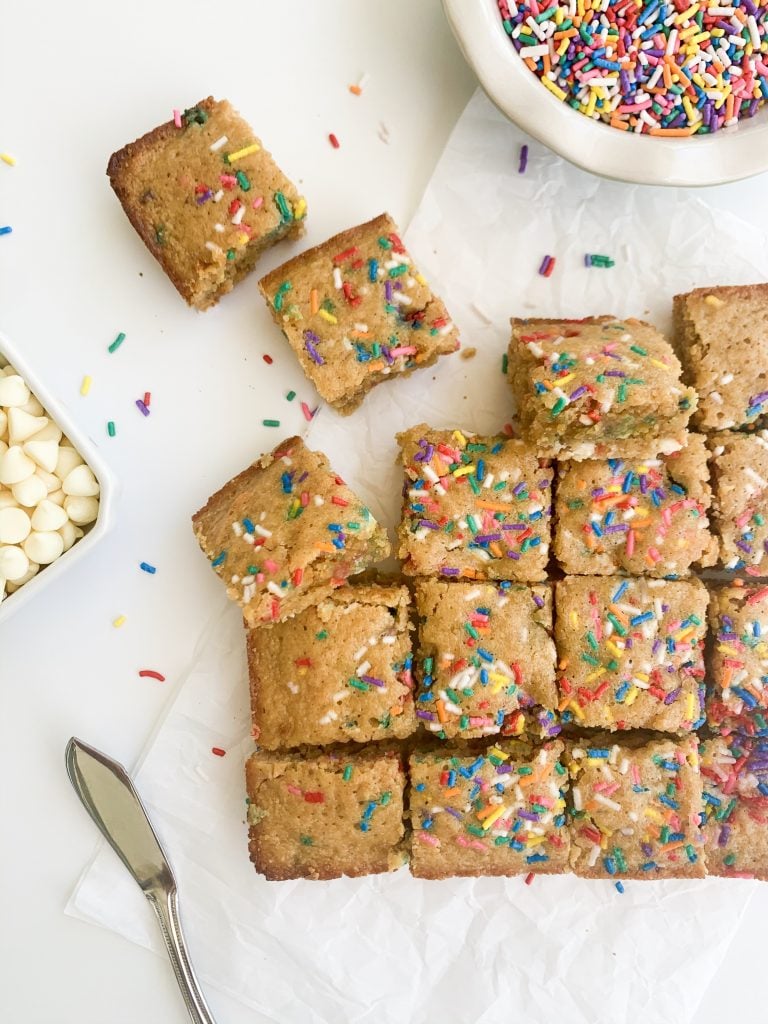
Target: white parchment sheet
x=393, y=950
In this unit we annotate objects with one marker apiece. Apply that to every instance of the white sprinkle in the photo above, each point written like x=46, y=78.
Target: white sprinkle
x=218, y=196
x=273, y=588
x=293, y=687
x=214, y=248
x=240, y=213
x=237, y=529
x=337, y=281
x=216, y=146
x=262, y=532
x=220, y=228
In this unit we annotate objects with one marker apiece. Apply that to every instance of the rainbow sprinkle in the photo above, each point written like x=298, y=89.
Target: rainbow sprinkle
x=652, y=67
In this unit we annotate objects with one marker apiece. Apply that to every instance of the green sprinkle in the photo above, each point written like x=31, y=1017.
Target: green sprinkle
x=558, y=407
x=399, y=270
x=621, y=394
x=729, y=860
x=758, y=520
x=385, y=243
x=230, y=254
x=111, y=428
x=116, y=343
x=505, y=364
x=347, y=773
x=592, y=641
x=290, y=396
x=271, y=423
x=252, y=570
x=385, y=798
x=464, y=722
x=475, y=830
x=282, y=204
x=616, y=624
x=195, y=115
x=242, y=181
x=358, y=684
x=322, y=635
x=306, y=840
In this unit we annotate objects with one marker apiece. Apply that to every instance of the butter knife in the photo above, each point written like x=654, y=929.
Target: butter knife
x=108, y=794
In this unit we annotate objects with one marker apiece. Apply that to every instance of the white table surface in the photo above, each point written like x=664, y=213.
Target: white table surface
x=80, y=81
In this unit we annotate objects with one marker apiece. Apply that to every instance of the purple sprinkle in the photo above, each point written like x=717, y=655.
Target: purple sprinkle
x=614, y=373
x=672, y=696
x=528, y=815
x=388, y=357
x=449, y=572
x=141, y=407
x=744, y=546
x=453, y=811
x=646, y=848
x=523, y=160
x=204, y=197
x=310, y=339
x=759, y=399
x=428, y=524
x=372, y=680
x=519, y=488
x=587, y=263
x=486, y=538
x=578, y=393
x=545, y=264
x=725, y=832
x=515, y=555
x=538, y=601
x=388, y=291
x=428, y=716
x=514, y=526
x=543, y=485
x=617, y=528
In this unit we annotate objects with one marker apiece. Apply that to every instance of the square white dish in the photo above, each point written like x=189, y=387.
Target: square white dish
x=58, y=412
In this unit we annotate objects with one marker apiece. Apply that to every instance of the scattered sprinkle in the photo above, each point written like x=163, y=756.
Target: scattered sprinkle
x=245, y=151
x=547, y=266
x=356, y=90
x=119, y=621
x=111, y=428
x=268, y=359
x=147, y=398
x=290, y=396
x=8, y=159
x=270, y=423
x=529, y=878
x=116, y=343
x=142, y=407
x=6, y=230
x=592, y=260
x=218, y=751
x=309, y=414
x=146, y=567
x=334, y=141
x=85, y=387
x=177, y=118
x=523, y=160
x=149, y=673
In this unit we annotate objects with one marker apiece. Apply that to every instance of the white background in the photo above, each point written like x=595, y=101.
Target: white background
x=78, y=82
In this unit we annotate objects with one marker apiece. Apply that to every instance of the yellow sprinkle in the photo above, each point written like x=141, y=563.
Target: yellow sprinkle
x=533, y=840
x=653, y=814
x=85, y=387
x=563, y=45
x=725, y=649
x=642, y=676
x=687, y=15
x=631, y=697
x=614, y=648
x=327, y=316
x=245, y=151
x=462, y=441
x=118, y=622
x=554, y=89
x=463, y=471
x=421, y=280
x=690, y=708
x=499, y=754
x=300, y=208
x=594, y=675
x=575, y=619
x=8, y=159
x=574, y=706
x=494, y=816
x=658, y=364
x=498, y=680
x=713, y=300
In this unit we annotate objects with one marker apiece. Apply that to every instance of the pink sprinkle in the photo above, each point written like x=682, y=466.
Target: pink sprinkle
x=309, y=414
x=257, y=202
x=294, y=790
x=228, y=180
x=177, y=118
x=425, y=837
x=403, y=350
x=270, y=566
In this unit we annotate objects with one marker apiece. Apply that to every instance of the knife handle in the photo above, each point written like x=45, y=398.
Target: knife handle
x=165, y=905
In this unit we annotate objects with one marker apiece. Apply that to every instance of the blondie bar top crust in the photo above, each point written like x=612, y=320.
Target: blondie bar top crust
x=501, y=812
x=485, y=655
x=631, y=652
x=740, y=482
x=474, y=507
x=322, y=816
x=598, y=388
x=639, y=516
x=286, y=532
x=338, y=671
x=356, y=311
x=721, y=335
x=206, y=198
x=739, y=698
x=734, y=772
x=635, y=809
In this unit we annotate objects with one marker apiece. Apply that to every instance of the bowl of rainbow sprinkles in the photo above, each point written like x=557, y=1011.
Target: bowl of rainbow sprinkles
x=658, y=92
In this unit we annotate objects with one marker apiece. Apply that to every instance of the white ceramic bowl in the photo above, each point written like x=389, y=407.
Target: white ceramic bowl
x=728, y=155
x=88, y=450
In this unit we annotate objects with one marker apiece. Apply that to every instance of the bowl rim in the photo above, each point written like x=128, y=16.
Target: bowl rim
x=87, y=448
x=591, y=145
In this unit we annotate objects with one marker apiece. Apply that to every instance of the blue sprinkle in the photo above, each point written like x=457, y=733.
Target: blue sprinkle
x=146, y=567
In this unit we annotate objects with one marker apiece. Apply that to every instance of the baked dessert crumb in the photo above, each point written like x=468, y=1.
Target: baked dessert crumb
x=738, y=701
x=740, y=482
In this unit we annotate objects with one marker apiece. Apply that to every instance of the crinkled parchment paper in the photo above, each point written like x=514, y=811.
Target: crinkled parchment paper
x=393, y=950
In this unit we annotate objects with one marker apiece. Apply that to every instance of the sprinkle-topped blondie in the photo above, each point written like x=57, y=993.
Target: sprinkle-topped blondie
x=356, y=311
x=206, y=198
x=597, y=388
x=476, y=507
x=322, y=816
x=631, y=652
x=485, y=657
x=739, y=699
x=338, y=671
x=740, y=481
x=286, y=532
x=639, y=516
x=635, y=809
x=734, y=771
x=500, y=812
x=721, y=335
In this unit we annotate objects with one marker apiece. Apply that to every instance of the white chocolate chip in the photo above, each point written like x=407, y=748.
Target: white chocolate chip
x=57, y=497
x=7, y=499
x=51, y=481
x=44, y=453
x=3, y=423
x=13, y=563
x=68, y=459
x=15, y=466
x=21, y=426
x=14, y=525
x=48, y=516
x=80, y=483
x=29, y=492
x=33, y=407
x=13, y=391
x=43, y=547
x=81, y=510
x=49, y=433
x=69, y=534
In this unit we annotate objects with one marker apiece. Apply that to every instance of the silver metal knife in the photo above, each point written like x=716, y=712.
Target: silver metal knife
x=108, y=794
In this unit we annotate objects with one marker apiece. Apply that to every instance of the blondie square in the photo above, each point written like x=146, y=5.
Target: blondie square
x=740, y=481
x=485, y=656
x=474, y=507
x=635, y=808
x=721, y=336
x=642, y=517
x=339, y=670
x=597, y=388
x=500, y=812
x=206, y=198
x=286, y=532
x=739, y=699
x=356, y=311
x=631, y=652
x=322, y=816
x=734, y=772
